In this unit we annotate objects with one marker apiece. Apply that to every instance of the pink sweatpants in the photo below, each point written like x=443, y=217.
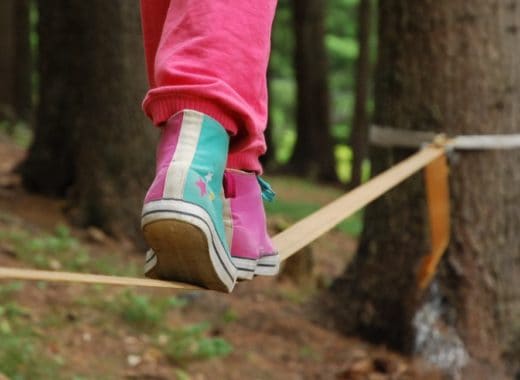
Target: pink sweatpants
x=211, y=56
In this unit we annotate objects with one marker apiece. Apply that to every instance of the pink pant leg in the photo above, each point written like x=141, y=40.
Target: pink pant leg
x=153, y=15
x=212, y=57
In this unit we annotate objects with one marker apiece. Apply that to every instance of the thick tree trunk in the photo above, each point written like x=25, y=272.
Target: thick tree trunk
x=7, y=58
x=91, y=142
x=116, y=146
x=359, y=134
x=313, y=154
x=24, y=61
x=447, y=66
x=15, y=62
x=50, y=165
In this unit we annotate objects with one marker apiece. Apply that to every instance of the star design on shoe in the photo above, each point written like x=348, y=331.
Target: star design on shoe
x=203, y=183
x=202, y=187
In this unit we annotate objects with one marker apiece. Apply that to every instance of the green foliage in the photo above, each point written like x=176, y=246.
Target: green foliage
x=193, y=343
x=18, y=132
x=181, y=375
x=342, y=47
x=230, y=316
x=21, y=354
x=20, y=358
x=346, y=49
x=144, y=311
x=9, y=289
x=55, y=251
x=61, y=250
x=182, y=344
x=282, y=121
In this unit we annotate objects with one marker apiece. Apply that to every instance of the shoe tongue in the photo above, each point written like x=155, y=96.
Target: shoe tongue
x=230, y=189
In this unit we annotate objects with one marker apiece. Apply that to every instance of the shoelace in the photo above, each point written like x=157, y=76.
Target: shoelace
x=230, y=188
x=268, y=193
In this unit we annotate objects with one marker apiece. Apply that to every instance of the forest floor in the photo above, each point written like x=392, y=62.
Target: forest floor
x=266, y=329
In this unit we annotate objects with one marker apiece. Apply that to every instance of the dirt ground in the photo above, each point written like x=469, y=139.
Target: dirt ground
x=266, y=321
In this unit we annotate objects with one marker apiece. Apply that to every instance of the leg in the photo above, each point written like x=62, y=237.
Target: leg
x=212, y=57
x=207, y=65
x=153, y=16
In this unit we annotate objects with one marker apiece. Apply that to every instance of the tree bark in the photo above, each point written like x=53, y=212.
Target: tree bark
x=91, y=143
x=447, y=66
x=24, y=61
x=15, y=60
x=7, y=58
x=49, y=167
x=360, y=127
x=313, y=154
x=115, y=155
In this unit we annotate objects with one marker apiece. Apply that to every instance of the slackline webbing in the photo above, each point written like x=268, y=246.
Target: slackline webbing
x=288, y=242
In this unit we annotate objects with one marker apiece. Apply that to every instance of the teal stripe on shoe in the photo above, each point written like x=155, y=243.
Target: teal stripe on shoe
x=204, y=180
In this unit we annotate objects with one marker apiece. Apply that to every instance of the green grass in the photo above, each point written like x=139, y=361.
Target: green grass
x=22, y=351
x=144, y=311
x=61, y=251
x=193, y=342
x=24, y=348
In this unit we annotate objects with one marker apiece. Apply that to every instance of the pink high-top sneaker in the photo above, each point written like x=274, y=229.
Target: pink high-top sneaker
x=252, y=251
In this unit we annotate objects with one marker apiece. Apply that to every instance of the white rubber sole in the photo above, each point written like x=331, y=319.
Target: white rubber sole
x=185, y=246
x=268, y=265
x=246, y=268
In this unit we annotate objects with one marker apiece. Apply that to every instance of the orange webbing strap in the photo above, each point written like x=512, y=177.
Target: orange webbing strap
x=437, y=192
x=288, y=242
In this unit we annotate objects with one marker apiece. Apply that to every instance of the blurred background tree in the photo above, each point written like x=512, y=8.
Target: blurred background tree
x=313, y=153
x=15, y=61
x=91, y=140
x=451, y=67
x=359, y=132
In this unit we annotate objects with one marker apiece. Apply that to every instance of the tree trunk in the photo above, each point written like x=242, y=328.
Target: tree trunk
x=91, y=142
x=313, y=154
x=7, y=58
x=448, y=66
x=359, y=134
x=15, y=63
x=49, y=167
x=115, y=155
x=23, y=61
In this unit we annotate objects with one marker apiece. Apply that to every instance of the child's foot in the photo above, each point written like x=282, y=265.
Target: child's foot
x=252, y=251
x=182, y=213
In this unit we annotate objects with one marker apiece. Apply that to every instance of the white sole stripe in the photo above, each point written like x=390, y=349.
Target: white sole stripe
x=269, y=260
x=150, y=262
x=246, y=264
